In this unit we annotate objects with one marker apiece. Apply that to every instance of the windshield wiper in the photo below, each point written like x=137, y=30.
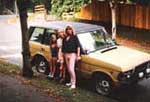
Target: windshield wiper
x=97, y=49
x=108, y=49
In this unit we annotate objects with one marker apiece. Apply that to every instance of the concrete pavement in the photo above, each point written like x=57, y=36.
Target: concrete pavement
x=10, y=40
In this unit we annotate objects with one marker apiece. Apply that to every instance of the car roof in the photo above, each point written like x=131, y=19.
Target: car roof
x=77, y=26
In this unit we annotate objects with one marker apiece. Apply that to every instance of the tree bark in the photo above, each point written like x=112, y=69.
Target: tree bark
x=113, y=13
x=16, y=8
x=26, y=70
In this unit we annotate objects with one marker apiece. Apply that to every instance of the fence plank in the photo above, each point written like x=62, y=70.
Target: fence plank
x=129, y=15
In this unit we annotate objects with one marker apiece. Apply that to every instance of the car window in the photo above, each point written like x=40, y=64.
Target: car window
x=30, y=31
x=98, y=37
x=37, y=34
x=47, y=36
x=87, y=41
x=94, y=40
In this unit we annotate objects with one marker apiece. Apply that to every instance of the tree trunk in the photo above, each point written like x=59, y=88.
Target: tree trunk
x=26, y=70
x=113, y=13
x=16, y=8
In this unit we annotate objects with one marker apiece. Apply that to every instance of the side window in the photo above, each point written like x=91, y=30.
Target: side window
x=30, y=31
x=37, y=34
x=47, y=36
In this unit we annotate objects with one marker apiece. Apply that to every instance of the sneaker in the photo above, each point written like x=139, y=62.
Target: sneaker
x=50, y=75
x=68, y=84
x=72, y=87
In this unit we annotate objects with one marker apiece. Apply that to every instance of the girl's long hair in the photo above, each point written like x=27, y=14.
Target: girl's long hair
x=51, y=40
x=69, y=27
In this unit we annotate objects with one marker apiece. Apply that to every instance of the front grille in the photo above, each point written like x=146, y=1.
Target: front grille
x=140, y=68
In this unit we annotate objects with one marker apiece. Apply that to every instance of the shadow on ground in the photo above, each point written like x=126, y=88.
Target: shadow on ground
x=126, y=93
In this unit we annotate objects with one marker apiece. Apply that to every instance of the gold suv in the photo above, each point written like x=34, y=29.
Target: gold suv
x=103, y=61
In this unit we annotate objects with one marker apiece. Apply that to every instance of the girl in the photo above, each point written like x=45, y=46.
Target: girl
x=60, y=55
x=71, y=50
x=54, y=53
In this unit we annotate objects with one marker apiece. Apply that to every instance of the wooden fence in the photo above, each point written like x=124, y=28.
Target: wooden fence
x=129, y=15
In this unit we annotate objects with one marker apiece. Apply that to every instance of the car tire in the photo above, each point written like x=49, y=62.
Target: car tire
x=103, y=85
x=40, y=65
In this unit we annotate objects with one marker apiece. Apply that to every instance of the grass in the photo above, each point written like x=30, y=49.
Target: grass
x=79, y=95
x=54, y=89
x=8, y=68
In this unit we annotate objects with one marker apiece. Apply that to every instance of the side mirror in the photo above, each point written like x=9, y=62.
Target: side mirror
x=86, y=51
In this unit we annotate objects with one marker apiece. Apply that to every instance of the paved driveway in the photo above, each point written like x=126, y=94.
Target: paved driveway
x=10, y=41
x=12, y=90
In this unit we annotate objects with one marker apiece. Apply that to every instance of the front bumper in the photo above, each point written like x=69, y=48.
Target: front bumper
x=139, y=73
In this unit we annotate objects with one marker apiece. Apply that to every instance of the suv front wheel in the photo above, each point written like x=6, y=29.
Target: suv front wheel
x=103, y=85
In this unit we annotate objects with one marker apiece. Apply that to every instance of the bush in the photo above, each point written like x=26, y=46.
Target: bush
x=60, y=6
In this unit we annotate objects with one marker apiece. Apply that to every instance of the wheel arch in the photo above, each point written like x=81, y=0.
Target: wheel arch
x=102, y=74
x=35, y=57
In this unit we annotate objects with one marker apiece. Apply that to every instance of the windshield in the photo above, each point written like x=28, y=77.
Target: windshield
x=95, y=40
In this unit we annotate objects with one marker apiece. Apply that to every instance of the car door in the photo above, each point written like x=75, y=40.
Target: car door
x=35, y=41
x=82, y=66
x=46, y=43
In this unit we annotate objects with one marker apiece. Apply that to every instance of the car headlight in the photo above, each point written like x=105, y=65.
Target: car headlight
x=148, y=68
x=125, y=76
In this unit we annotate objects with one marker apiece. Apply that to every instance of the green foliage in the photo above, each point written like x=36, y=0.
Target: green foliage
x=57, y=6
x=60, y=6
x=37, y=2
x=142, y=2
